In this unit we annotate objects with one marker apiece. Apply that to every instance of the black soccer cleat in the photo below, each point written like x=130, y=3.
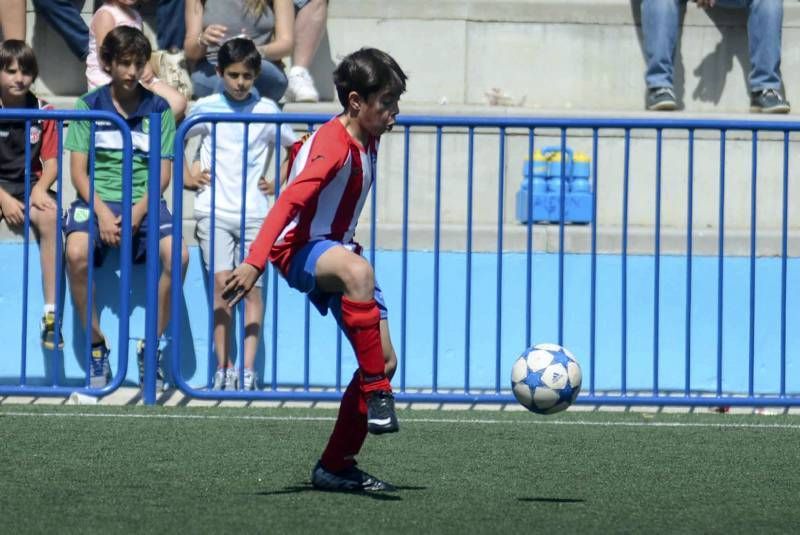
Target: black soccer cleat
x=381, y=417
x=348, y=480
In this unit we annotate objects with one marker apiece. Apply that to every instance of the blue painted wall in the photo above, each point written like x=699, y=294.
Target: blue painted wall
x=451, y=339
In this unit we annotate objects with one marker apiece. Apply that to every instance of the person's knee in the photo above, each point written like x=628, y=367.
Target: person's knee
x=359, y=279
x=45, y=220
x=77, y=255
x=165, y=252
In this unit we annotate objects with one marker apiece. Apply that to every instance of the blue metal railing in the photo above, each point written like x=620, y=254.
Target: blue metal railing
x=435, y=390
x=655, y=393
x=58, y=389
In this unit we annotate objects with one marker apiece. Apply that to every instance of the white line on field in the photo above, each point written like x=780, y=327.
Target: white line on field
x=474, y=421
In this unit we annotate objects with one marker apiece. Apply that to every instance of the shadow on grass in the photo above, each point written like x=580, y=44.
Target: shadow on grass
x=375, y=495
x=551, y=500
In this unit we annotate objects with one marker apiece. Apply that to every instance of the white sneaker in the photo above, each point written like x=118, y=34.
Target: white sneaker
x=231, y=379
x=219, y=379
x=250, y=379
x=301, y=86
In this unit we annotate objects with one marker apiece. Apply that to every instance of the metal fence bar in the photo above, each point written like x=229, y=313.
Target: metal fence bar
x=657, y=263
x=625, y=193
x=404, y=261
x=529, y=242
x=627, y=396
x=593, y=276
x=437, y=240
x=562, y=209
x=25, y=253
x=152, y=261
x=784, y=255
x=752, y=319
x=468, y=275
x=689, y=241
x=499, y=302
x=720, y=259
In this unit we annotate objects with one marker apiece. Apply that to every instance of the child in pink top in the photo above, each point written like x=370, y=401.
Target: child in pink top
x=111, y=14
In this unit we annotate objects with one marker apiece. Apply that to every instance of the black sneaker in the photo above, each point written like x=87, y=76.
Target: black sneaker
x=380, y=413
x=349, y=479
x=159, y=369
x=661, y=99
x=768, y=101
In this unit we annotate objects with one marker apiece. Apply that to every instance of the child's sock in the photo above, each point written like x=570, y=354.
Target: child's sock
x=350, y=429
x=361, y=323
x=48, y=308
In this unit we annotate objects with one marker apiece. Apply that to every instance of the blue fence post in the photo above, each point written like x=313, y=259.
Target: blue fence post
x=152, y=261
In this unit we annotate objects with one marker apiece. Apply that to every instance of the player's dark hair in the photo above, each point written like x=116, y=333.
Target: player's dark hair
x=367, y=71
x=239, y=50
x=15, y=50
x=124, y=42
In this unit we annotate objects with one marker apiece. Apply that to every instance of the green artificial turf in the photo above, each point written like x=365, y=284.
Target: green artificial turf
x=139, y=469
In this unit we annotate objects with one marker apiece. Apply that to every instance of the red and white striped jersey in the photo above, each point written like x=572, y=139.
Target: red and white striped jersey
x=329, y=178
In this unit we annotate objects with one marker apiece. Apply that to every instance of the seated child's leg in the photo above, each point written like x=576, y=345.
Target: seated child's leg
x=165, y=280
x=44, y=221
x=77, y=257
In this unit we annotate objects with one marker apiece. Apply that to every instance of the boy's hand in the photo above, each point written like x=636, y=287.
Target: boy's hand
x=241, y=280
x=40, y=199
x=267, y=187
x=147, y=76
x=110, y=227
x=13, y=210
x=198, y=181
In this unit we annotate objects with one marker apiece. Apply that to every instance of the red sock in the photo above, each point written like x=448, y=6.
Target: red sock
x=361, y=324
x=350, y=430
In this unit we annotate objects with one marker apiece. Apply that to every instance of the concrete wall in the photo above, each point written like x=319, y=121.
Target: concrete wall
x=545, y=54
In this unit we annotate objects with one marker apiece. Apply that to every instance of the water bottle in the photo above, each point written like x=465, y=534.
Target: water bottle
x=581, y=165
x=554, y=168
x=539, y=169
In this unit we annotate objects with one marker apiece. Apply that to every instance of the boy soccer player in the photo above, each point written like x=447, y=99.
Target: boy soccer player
x=124, y=53
x=308, y=236
x=18, y=71
x=238, y=66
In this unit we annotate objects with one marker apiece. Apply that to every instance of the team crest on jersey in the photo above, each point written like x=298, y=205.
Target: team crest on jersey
x=81, y=215
x=36, y=134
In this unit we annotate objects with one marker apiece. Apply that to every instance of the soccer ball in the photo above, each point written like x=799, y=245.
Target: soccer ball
x=546, y=378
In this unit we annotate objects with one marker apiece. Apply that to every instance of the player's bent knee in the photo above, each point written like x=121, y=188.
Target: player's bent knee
x=360, y=279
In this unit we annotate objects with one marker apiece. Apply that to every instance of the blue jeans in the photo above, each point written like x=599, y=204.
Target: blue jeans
x=65, y=18
x=271, y=82
x=660, y=20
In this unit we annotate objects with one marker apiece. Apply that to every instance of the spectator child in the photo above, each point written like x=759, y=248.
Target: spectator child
x=125, y=51
x=238, y=67
x=18, y=71
x=110, y=15
x=308, y=236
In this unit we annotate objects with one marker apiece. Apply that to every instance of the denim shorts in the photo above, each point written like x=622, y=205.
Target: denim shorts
x=302, y=276
x=77, y=220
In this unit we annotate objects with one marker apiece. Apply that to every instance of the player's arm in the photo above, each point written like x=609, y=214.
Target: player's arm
x=305, y=187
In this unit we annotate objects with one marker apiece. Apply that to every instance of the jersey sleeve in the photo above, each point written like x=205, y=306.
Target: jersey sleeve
x=49, y=150
x=78, y=132
x=322, y=165
x=167, y=134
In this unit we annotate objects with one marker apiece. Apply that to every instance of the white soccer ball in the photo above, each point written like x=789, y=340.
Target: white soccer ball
x=546, y=378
